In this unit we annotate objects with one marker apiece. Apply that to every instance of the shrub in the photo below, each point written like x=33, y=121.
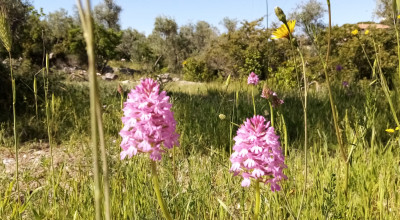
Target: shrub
x=196, y=70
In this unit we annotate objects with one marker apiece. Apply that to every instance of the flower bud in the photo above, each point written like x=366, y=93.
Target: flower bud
x=280, y=14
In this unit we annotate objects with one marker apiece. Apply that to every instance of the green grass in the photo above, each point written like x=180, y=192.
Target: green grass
x=195, y=178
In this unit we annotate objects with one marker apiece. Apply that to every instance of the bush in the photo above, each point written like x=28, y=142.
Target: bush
x=286, y=76
x=197, y=70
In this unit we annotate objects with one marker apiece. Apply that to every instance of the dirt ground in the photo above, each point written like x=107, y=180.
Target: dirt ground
x=35, y=162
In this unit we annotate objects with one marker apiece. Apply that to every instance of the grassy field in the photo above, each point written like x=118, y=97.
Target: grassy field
x=195, y=178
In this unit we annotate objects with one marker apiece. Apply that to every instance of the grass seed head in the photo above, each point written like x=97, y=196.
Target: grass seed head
x=5, y=32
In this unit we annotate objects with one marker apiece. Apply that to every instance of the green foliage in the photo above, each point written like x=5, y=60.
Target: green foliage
x=384, y=10
x=107, y=14
x=17, y=13
x=329, y=204
x=76, y=44
x=135, y=46
x=33, y=37
x=196, y=70
x=286, y=76
x=252, y=63
x=309, y=17
x=106, y=40
x=240, y=51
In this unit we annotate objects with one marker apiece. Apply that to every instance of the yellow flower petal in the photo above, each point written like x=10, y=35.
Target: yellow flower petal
x=283, y=32
x=366, y=32
x=398, y=16
x=390, y=130
x=355, y=32
x=397, y=128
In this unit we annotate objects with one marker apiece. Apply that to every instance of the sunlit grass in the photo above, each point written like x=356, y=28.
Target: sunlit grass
x=197, y=183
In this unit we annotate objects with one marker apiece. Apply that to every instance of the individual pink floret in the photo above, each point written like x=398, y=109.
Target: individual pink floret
x=148, y=122
x=252, y=79
x=257, y=153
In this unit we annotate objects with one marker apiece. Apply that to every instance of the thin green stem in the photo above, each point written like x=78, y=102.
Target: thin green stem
x=87, y=26
x=122, y=101
x=36, y=96
x=271, y=109
x=233, y=123
x=365, y=54
x=258, y=200
x=14, y=92
x=331, y=100
x=305, y=129
x=252, y=96
x=398, y=45
x=385, y=87
x=158, y=192
x=106, y=186
x=398, y=52
x=291, y=40
x=285, y=135
x=293, y=44
x=49, y=122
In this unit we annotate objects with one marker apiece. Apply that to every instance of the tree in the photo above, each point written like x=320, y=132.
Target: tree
x=203, y=35
x=229, y=24
x=107, y=14
x=107, y=40
x=239, y=52
x=135, y=46
x=385, y=10
x=59, y=22
x=309, y=17
x=165, y=42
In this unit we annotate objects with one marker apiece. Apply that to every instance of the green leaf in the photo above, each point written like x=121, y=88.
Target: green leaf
x=226, y=208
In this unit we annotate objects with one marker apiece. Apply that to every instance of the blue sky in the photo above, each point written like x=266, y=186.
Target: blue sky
x=140, y=14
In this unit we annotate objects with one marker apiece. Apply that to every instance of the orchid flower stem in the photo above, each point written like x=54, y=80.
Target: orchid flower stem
x=254, y=104
x=271, y=109
x=285, y=135
x=157, y=191
x=122, y=101
x=258, y=201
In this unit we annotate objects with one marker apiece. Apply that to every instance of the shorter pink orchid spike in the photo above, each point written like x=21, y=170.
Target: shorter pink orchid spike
x=252, y=79
x=257, y=153
x=149, y=123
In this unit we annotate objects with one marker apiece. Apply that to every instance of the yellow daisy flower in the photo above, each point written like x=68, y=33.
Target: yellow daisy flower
x=283, y=32
x=398, y=16
x=366, y=32
x=390, y=130
x=355, y=32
